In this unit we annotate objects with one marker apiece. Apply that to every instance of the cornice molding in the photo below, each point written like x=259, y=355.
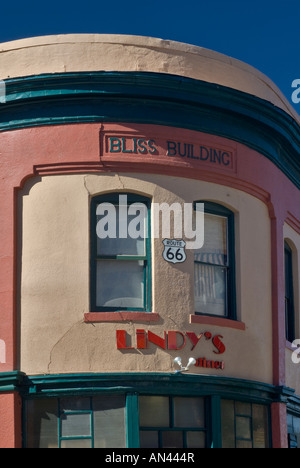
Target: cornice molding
x=152, y=383
x=153, y=98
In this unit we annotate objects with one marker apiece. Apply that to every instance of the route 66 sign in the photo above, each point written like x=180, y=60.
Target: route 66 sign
x=174, y=251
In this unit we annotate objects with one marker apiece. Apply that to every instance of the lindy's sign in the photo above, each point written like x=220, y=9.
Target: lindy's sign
x=173, y=340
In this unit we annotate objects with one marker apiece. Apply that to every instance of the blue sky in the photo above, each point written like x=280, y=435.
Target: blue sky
x=263, y=33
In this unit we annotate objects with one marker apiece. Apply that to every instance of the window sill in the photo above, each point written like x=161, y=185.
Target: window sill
x=122, y=316
x=217, y=321
x=289, y=345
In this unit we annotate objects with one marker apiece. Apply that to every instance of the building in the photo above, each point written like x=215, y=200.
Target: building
x=90, y=328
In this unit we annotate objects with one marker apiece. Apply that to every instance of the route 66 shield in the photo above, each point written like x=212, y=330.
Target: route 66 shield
x=174, y=251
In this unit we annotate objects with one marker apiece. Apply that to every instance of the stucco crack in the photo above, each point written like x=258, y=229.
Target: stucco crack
x=120, y=180
x=85, y=185
x=59, y=341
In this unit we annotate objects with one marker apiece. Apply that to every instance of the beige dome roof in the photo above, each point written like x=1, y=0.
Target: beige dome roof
x=98, y=52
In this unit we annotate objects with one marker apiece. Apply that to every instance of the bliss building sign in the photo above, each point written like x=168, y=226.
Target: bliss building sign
x=142, y=146
x=156, y=146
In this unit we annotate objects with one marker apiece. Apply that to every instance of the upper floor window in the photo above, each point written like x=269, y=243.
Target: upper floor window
x=215, y=264
x=289, y=294
x=120, y=253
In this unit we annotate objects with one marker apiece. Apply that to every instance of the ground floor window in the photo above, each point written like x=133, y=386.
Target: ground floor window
x=293, y=425
x=93, y=422
x=145, y=421
x=244, y=425
x=172, y=422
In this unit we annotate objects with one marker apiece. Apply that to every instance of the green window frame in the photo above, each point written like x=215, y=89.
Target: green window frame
x=137, y=265
x=182, y=421
x=76, y=422
x=244, y=425
x=65, y=436
x=220, y=264
x=113, y=420
x=290, y=331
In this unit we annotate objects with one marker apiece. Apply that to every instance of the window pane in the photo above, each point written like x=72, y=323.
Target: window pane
x=120, y=284
x=243, y=409
x=243, y=427
x=189, y=412
x=149, y=439
x=214, y=250
x=289, y=295
x=42, y=423
x=196, y=439
x=288, y=270
x=210, y=289
x=172, y=439
x=228, y=433
x=76, y=443
x=260, y=426
x=243, y=444
x=154, y=411
x=75, y=404
x=109, y=422
x=126, y=233
x=75, y=425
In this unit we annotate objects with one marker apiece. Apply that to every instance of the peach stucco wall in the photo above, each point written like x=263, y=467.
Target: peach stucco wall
x=55, y=282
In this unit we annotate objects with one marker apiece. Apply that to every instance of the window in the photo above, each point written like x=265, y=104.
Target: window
x=215, y=264
x=120, y=253
x=74, y=422
x=289, y=294
x=136, y=420
x=172, y=422
x=293, y=427
x=244, y=425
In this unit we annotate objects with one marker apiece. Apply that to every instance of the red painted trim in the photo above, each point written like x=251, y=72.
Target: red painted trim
x=278, y=301
x=293, y=222
x=279, y=426
x=125, y=316
x=11, y=420
x=149, y=168
x=217, y=321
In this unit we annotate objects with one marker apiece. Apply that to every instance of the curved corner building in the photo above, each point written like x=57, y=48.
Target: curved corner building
x=104, y=133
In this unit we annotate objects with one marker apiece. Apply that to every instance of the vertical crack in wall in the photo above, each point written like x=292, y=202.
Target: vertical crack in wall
x=58, y=343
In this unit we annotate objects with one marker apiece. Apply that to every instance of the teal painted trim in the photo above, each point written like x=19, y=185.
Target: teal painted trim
x=132, y=421
x=153, y=384
x=11, y=381
x=216, y=426
x=153, y=98
x=293, y=405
